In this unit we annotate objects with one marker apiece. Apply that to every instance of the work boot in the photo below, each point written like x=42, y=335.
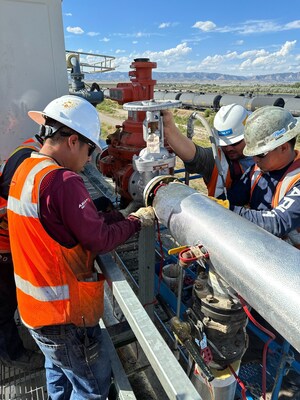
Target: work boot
x=29, y=360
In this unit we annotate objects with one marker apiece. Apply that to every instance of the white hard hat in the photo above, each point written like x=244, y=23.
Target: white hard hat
x=74, y=112
x=269, y=127
x=229, y=124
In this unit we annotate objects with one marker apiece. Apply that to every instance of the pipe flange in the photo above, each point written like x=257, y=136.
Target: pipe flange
x=152, y=186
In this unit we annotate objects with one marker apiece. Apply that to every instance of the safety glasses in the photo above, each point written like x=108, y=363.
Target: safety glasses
x=92, y=148
x=234, y=144
x=91, y=145
x=82, y=139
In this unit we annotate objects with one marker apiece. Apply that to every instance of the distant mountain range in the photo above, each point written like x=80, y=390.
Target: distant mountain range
x=198, y=77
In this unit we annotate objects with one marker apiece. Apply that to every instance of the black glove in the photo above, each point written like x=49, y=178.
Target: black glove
x=103, y=204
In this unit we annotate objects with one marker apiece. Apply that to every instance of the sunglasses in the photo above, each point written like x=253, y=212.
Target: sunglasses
x=234, y=144
x=82, y=139
x=262, y=155
x=91, y=145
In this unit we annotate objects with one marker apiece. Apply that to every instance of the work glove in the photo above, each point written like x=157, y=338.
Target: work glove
x=132, y=207
x=145, y=215
x=223, y=203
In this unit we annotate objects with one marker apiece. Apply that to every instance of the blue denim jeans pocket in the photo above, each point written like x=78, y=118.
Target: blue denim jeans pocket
x=78, y=354
x=58, y=353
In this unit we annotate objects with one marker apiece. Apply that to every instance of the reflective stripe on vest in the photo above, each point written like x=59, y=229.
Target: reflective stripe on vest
x=45, y=293
x=24, y=205
x=4, y=234
x=289, y=179
x=215, y=185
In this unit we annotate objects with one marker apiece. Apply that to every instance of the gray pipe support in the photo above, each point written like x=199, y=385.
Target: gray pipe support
x=260, y=267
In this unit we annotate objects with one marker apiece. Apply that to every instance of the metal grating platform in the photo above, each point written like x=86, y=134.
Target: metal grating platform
x=21, y=385
x=251, y=375
x=16, y=384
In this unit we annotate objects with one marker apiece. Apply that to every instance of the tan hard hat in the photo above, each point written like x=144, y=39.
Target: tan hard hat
x=267, y=128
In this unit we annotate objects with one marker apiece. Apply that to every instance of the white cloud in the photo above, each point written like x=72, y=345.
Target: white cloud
x=253, y=53
x=261, y=26
x=164, y=25
x=293, y=25
x=252, y=61
x=75, y=29
x=105, y=39
x=93, y=34
x=205, y=26
x=171, y=59
x=120, y=51
x=134, y=42
x=286, y=48
x=175, y=52
x=248, y=27
x=239, y=43
x=136, y=35
x=68, y=14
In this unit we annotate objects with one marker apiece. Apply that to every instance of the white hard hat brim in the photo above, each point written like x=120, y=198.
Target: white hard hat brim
x=223, y=141
x=37, y=116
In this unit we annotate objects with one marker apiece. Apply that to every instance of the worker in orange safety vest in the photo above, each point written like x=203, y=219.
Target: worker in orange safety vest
x=12, y=350
x=268, y=195
x=55, y=233
x=229, y=124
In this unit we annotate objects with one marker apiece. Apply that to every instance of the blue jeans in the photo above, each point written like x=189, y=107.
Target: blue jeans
x=77, y=363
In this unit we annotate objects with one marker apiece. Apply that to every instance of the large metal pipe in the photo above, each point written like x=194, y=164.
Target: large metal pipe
x=260, y=267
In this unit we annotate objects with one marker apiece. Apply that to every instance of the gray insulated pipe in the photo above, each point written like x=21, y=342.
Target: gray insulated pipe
x=93, y=97
x=260, y=267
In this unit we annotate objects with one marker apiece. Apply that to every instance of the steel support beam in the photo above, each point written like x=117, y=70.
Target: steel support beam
x=169, y=372
x=147, y=268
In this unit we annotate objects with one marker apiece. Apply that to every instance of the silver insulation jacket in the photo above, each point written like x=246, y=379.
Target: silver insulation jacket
x=261, y=268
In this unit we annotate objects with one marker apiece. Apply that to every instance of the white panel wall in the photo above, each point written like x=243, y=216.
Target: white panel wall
x=32, y=65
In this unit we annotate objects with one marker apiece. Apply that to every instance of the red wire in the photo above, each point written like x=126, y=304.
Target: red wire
x=243, y=387
x=149, y=304
x=272, y=337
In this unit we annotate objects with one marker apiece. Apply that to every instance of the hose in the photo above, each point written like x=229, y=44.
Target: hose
x=212, y=138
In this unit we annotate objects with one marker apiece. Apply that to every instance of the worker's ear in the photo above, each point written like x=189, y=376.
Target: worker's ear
x=285, y=147
x=73, y=140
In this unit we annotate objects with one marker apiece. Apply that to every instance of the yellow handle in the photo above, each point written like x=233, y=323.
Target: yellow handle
x=176, y=250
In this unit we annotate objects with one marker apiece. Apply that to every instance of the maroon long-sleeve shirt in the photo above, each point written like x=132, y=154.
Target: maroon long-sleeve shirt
x=70, y=217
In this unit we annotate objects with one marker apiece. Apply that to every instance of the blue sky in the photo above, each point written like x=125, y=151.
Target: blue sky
x=231, y=37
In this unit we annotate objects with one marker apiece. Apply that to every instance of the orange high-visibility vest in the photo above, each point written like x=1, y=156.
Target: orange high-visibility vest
x=288, y=180
x=215, y=186
x=4, y=236
x=55, y=284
